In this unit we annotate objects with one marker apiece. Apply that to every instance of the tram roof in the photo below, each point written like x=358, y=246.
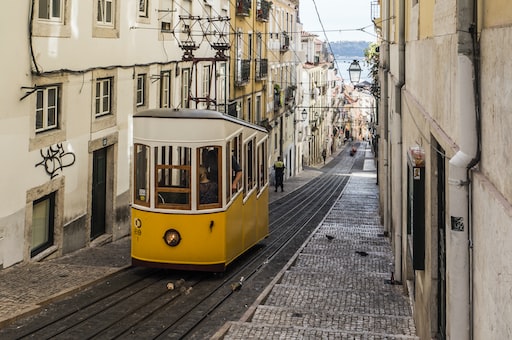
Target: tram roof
x=194, y=114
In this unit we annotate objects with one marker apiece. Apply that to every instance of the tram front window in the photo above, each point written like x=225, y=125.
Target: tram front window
x=208, y=179
x=172, y=177
x=141, y=178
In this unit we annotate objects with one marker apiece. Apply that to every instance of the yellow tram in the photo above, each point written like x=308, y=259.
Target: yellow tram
x=200, y=189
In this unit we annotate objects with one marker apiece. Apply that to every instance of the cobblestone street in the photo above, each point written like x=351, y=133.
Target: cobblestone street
x=338, y=286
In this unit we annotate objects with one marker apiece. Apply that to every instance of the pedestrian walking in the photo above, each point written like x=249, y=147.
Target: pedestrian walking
x=324, y=155
x=279, y=170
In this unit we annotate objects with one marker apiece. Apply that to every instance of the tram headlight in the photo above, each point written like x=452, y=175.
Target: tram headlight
x=172, y=237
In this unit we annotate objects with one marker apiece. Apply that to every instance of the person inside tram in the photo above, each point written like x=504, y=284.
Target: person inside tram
x=237, y=171
x=208, y=190
x=210, y=160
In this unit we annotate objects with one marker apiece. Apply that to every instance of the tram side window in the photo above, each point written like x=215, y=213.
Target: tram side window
x=233, y=168
x=209, y=182
x=250, y=179
x=262, y=165
x=141, y=177
x=172, y=176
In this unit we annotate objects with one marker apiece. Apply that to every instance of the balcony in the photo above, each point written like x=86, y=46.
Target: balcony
x=261, y=69
x=243, y=8
x=375, y=14
x=277, y=98
x=285, y=42
x=243, y=72
x=263, y=10
x=290, y=94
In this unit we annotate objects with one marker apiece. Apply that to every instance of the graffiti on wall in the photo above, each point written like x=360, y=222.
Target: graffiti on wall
x=55, y=159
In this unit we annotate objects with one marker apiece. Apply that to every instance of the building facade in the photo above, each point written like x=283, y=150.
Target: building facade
x=443, y=171
x=74, y=74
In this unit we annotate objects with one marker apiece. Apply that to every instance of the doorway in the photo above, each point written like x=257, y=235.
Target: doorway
x=99, y=193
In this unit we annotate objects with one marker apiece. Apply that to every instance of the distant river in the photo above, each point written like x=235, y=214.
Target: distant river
x=343, y=63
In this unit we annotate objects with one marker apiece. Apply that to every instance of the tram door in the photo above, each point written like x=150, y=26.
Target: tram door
x=99, y=192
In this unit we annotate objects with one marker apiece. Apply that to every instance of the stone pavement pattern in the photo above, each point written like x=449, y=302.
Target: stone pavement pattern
x=339, y=288
x=25, y=288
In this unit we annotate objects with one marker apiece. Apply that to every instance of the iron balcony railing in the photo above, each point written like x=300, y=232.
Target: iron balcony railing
x=285, y=42
x=243, y=71
x=263, y=10
x=243, y=7
x=261, y=68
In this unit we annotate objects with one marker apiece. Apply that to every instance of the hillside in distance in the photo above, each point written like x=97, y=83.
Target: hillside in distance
x=349, y=48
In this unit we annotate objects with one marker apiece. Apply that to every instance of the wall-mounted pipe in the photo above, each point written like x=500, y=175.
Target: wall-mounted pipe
x=457, y=250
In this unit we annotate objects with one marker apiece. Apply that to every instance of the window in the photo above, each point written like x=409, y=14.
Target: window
x=233, y=166
x=50, y=10
x=208, y=179
x=141, y=90
x=249, y=110
x=185, y=87
x=143, y=8
x=172, y=177
x=221, y=84
x=165, y=89
x=53, y=18
x=103, y=97
x=166, y=27
x=141, y=178
x=206, y=81
x=262, y=165
x=47, y=108
x=258, y=109
x=43, y=212
x=105, y=12
x=249, y=46
x=250, y=179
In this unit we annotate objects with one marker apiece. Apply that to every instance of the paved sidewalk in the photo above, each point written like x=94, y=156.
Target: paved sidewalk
x=26, y=288
x=337, y=287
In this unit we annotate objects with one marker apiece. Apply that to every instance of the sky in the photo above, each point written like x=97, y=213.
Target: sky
x=341, y=19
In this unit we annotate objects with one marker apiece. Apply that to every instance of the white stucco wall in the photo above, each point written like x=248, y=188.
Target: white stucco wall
x=492, y=267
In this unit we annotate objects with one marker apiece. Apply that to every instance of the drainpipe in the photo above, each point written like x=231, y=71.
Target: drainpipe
x=459, y=243
x=399, y=146
x=384, y=122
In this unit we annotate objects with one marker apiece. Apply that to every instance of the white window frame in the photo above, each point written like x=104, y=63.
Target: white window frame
x=50, y=6
x=43, y=224
x=165, y=89
x=103, y=96
x=47, y=107
x=143, y=8
x=206, y=80
x=102, y=15
x=185, y=80
x=140, y=93
x=221, y=86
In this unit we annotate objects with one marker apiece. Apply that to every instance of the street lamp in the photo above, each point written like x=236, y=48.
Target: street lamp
x=354, y=72
x=304, y=116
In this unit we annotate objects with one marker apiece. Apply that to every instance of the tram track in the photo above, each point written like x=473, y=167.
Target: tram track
x=136, y=303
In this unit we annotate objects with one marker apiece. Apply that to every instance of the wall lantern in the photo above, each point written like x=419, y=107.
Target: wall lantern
x=354, y=72
x=304, y=116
